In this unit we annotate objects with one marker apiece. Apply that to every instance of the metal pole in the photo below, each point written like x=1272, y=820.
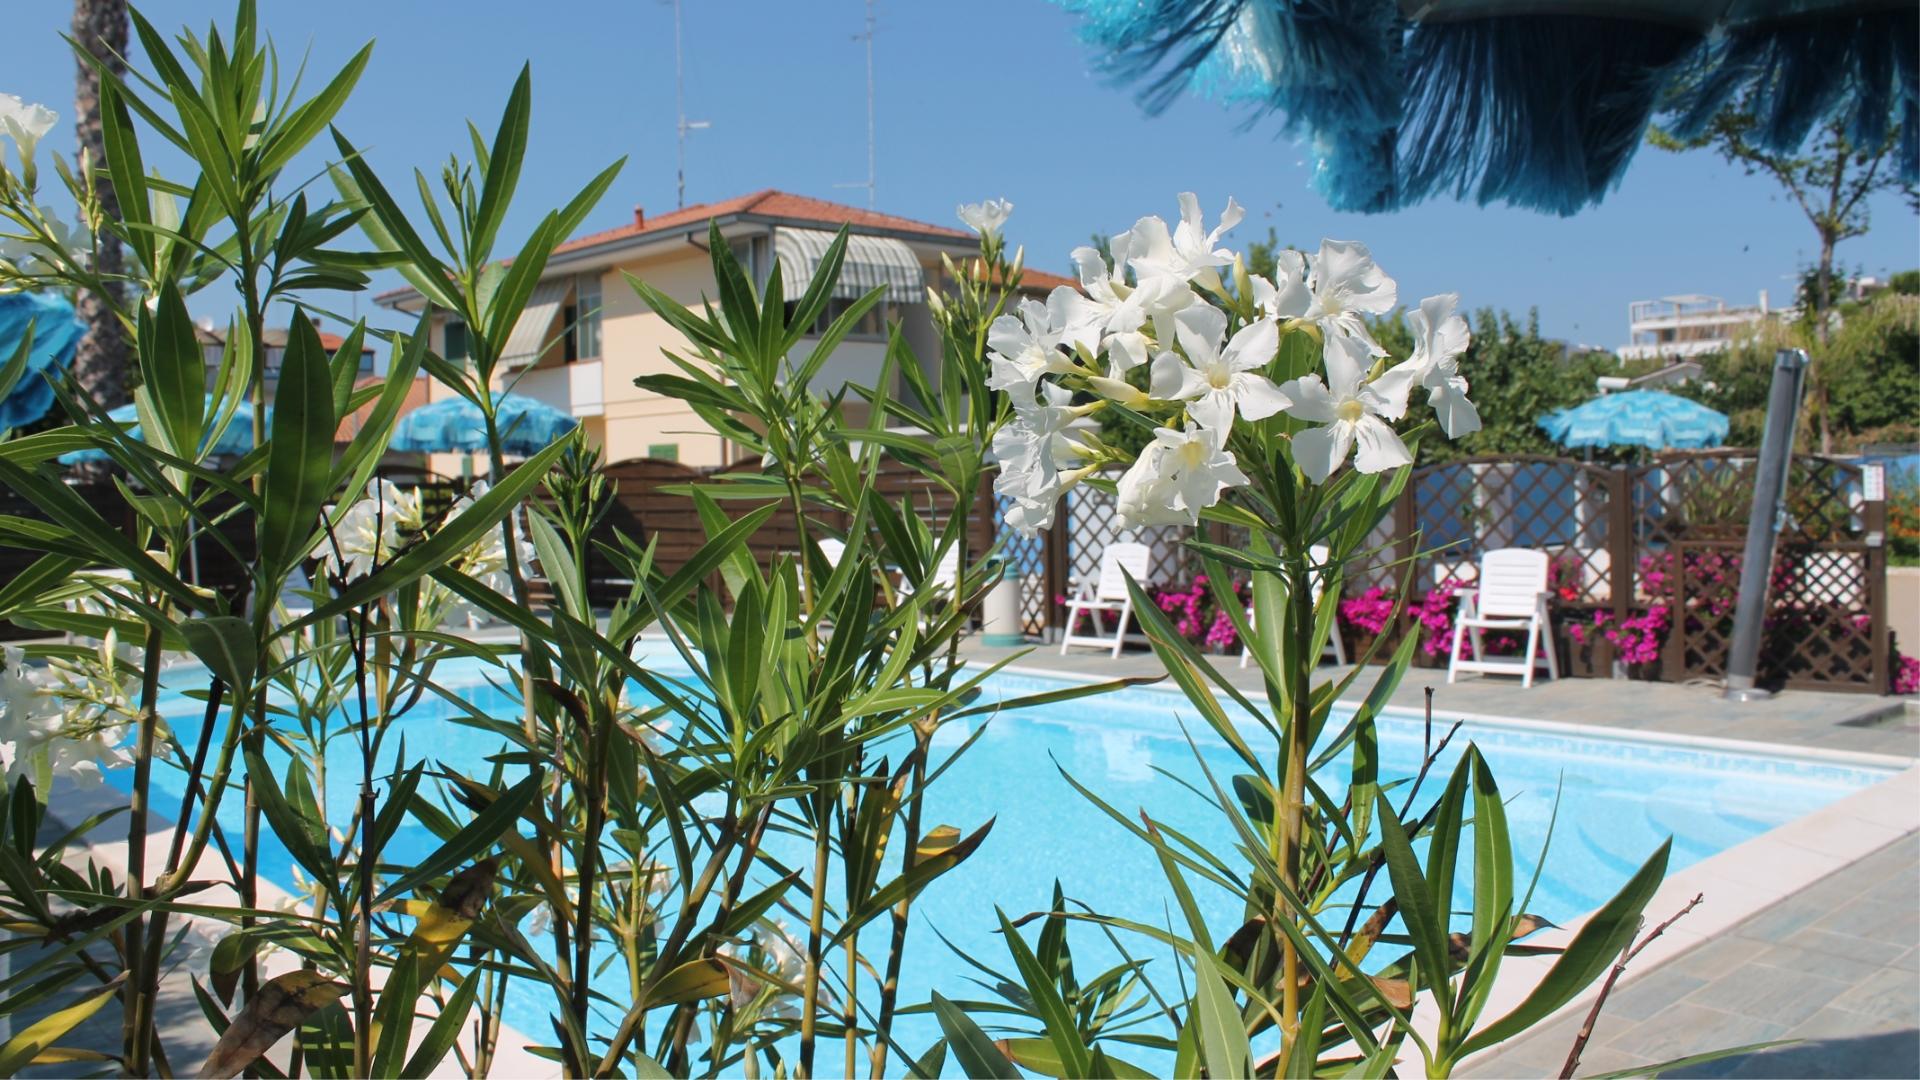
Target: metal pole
x=679, y=114
x=1763, y=527
x=870, y=170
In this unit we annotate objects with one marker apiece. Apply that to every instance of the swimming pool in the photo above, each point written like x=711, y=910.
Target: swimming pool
x=1618, y=798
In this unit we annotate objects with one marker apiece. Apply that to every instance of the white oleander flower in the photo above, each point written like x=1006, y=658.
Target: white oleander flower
x=370, y=532
x=1040, y=455
x=1440, y=335
x=485, y=560
x=778, y=967
x=1024, y=348
x=1287, y=296
x=25, y=123
x=1218, y=382
x=1189, y=253
x=1108, y=313
x=1352, y=412
x=1178, y=475
x=986, y=218
x=1346, y=284
x=68, y=726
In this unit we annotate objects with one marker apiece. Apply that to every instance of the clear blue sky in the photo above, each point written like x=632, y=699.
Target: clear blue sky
x=982, y=98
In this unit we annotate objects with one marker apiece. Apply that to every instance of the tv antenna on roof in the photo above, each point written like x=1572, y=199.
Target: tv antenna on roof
x=867, y=36
x=681, y=124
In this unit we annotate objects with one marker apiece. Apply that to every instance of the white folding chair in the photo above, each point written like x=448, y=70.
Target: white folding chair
x=830, y=550
x=946, y=574
x=1510, y=595
x=1335, y=647
x=1107, y=594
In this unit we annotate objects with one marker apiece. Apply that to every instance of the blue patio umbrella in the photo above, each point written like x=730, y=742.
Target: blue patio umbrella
x=56, y=334
x=454, y=425
x=235, y=440
x=1650, y=418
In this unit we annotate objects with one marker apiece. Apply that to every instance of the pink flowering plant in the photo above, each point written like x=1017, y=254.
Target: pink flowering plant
x=1636, y=639
x=1197, y=615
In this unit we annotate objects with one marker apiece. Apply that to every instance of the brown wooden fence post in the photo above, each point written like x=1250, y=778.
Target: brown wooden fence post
x=1623, y=555
x=1406, y=516
x=1055, y=560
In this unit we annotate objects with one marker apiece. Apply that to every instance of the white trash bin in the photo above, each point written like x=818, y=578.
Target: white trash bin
x=1000, y=622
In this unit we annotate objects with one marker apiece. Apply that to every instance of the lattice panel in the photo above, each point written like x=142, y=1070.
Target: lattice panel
x=1093, y=522
x=1820, y=625
x=1027, y=555
x=1561, y=506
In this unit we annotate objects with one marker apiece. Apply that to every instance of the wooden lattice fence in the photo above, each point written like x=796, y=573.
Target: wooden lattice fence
x=1626, y=543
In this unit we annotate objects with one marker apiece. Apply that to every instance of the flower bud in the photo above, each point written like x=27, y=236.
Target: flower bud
x=1119, y=391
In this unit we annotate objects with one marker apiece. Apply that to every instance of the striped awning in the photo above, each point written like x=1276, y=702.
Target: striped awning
x=871, y=262
x=533, y=333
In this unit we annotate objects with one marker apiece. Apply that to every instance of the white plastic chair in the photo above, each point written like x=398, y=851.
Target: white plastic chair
x=295, y=604
x=1338, y=648
x=831, y=550
x=1510, y=595
x=946, y=575
x=1108, y=593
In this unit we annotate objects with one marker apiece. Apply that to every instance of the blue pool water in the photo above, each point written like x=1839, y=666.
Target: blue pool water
x=1618, y=800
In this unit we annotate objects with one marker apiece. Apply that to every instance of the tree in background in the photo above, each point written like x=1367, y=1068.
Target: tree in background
x=1831, y=180
x=1872, y=380
x=100, y=364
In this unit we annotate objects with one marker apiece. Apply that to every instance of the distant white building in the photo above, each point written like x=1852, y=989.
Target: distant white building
x=1682, y=327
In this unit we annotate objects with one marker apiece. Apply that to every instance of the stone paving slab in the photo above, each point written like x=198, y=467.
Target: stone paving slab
x=1828, y=967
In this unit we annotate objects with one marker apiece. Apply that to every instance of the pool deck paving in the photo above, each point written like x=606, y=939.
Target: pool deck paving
x=1810, y=933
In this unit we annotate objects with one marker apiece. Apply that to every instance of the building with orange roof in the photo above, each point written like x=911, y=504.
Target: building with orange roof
x=585, y=336
x=373, y=369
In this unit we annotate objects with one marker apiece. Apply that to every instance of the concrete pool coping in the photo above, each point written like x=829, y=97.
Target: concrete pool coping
x=1736, y=884
x=1444, y=717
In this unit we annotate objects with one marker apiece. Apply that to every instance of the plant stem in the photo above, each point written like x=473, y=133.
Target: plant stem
x=143, y=979
x=1294, y=785
x=896, y=946
x=816, y=917
x=1613, y=976
x=588, y=859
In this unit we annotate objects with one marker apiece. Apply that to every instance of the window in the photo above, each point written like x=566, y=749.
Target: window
x=456, y=334
x=665, y=451
x=754, y=257
x=582, y=318
x=872, y=324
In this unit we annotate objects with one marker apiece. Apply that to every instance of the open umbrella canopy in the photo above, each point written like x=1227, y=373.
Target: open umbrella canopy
x=1649, y=418
x=454, y=425
x=235, y=440
x=1534, y=103
x=56, y=334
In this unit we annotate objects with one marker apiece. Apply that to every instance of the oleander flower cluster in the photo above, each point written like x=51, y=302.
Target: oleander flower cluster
x=1172, y=326
x=387, y=519
x=34, y=239
x=69, y=719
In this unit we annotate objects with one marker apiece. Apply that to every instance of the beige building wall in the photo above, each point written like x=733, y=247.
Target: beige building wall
x=634, y=341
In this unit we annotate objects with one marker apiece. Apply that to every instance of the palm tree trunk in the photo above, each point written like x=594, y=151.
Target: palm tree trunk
x=100, y=362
